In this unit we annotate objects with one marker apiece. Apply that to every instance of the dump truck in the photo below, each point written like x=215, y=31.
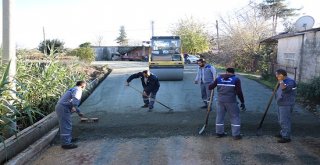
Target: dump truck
x=166, y=60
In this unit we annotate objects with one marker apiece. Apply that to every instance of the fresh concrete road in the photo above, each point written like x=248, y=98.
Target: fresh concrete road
x=128, y=134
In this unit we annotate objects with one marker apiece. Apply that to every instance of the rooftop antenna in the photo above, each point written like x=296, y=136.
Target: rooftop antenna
x=304, y=23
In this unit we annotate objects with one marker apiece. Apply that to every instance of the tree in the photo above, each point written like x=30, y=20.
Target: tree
x=240, y=40
x=84, y=53
x=99, y=40
x=275, y=9
x=122, y=39
x=51, y=47
x=86, y=44
x=288, y=26
x=194, y=37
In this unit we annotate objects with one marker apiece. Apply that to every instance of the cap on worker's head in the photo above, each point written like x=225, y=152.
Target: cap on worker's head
x=281, y=71
x=230, y=70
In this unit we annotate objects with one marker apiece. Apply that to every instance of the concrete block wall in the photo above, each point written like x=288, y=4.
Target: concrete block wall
x=305, y=50
x=311, y=51
x=292, y=46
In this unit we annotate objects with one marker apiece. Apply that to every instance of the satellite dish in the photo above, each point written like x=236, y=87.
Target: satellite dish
x=304, y=23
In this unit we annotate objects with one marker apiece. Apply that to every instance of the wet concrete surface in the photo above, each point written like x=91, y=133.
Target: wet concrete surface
x=128, y=134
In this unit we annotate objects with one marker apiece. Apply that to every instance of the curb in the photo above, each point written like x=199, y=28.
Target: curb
x=29, y=141
x=34, y=149
x=15, y=144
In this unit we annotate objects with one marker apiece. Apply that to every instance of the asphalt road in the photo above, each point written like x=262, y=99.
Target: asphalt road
x=128, y=134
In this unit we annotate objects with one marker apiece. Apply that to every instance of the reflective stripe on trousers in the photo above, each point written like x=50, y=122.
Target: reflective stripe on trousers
x=234, y=115
x=65, y=123
x=149, y=100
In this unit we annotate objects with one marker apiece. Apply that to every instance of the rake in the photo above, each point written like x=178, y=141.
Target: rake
x=170, y=109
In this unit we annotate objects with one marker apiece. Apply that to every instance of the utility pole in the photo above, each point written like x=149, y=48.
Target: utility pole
x=152, y=28
x=217, y=26
x=9, y=47
x=44, y=42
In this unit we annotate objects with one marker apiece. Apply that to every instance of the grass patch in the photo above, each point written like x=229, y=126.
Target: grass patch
x=269, y=83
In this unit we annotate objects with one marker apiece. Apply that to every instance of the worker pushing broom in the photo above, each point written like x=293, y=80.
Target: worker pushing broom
x=68, y=104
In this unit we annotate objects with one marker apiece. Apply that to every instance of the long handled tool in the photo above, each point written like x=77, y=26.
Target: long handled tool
x=86, y=119
x=170, y=109
x=259, y=130
x=208, y=112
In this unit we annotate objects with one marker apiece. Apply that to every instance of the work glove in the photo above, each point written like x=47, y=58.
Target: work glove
x=80, y=114
x=243, y=107
x=145, y=94
x=73, y=109
x=210, y=87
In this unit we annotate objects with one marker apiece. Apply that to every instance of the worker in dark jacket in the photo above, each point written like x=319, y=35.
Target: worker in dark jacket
x=228, y=87
x=150, y=84
x=68, y=104
x=285, y=97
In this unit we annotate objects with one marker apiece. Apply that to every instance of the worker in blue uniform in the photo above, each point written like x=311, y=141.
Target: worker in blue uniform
x=206, y=74
x=68, y=104
x=150, y=84
x=285, y=97
x=228, y=87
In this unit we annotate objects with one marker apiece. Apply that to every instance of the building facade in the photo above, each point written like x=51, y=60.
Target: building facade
x=299, y=53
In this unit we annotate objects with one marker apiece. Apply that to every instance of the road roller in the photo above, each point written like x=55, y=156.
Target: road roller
x=166, y=58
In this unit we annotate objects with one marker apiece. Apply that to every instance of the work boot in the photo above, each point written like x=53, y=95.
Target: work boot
x=69, y=146
x=145, y=106
x=284, y=140
x=218, y=135
x=204, y=107
x=278, y=136
x=73, y=140
x=237, y=137
x=150, y=108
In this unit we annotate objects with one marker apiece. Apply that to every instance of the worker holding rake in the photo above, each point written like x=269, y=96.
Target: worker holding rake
x=68, y=104
x=228, y=87
x=150, y=84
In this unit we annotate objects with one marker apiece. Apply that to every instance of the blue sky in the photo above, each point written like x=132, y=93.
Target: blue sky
x=79, y=21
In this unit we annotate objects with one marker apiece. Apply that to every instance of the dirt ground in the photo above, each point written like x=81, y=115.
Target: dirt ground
x=128, y=134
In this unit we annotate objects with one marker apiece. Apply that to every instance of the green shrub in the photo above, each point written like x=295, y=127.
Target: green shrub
x=38, y=88
x=310, y=90
x=43, y=83
x=86, y=44
x=84, y=53
x=51, y=47
x=13, y=106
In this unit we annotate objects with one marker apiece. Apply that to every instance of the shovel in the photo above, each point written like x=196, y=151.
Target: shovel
x=208, y=112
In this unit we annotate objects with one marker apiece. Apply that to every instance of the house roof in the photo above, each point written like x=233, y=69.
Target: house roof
x=286, y=35
x=279, y=36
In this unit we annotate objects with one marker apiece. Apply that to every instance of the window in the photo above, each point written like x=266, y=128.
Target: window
x=290, y=59
x=289, y=56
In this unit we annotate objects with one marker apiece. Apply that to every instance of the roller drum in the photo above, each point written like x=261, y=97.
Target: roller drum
x=168, y=74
